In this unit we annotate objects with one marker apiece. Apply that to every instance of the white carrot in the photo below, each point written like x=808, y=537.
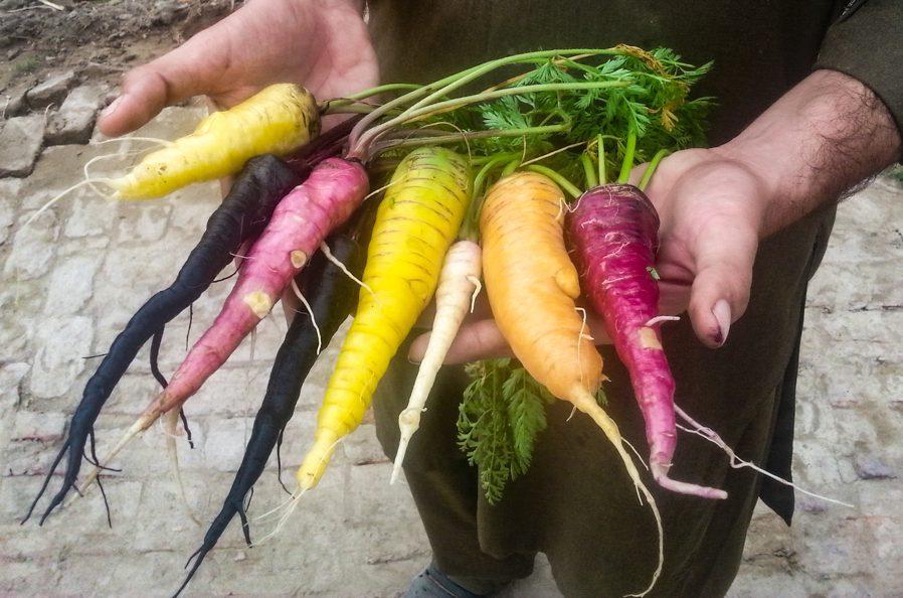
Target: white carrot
x=458, y=283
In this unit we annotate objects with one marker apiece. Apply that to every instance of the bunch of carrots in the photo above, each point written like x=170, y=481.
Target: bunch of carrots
x=506, y=188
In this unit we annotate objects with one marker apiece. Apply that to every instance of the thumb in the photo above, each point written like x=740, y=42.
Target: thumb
x=191, y=69
x=144, y=94
x=721, y=287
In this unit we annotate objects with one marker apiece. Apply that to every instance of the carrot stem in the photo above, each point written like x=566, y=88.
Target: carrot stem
x=651, y=168
x=560, y=180
x=378, y=148
x=601, y=158
x=628, y=161
x=360, y=145
x=430, y=92
x=590, y=175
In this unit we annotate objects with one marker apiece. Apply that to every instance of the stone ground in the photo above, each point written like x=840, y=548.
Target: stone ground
x=73, y=276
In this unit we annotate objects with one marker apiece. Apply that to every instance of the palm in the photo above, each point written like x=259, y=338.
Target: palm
x=325, y=47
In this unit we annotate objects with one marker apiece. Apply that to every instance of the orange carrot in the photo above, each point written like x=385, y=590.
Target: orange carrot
x=532, y=286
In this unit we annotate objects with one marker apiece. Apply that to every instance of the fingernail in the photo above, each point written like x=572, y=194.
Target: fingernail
x=109, y=110
x=722, y=313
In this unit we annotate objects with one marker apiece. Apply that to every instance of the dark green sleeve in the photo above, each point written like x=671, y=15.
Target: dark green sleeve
x=867, y=45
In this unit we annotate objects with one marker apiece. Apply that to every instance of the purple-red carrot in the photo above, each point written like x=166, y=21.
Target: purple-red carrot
x=614, y=229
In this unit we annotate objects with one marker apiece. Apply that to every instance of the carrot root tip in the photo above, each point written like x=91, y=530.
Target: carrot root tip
x=660, y=473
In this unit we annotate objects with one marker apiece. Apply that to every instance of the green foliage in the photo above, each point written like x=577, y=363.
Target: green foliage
x=500, y=417
x=635, y=89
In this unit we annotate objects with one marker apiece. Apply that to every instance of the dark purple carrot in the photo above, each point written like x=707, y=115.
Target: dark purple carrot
x=331, y=295
x=241, y=217
x=614, y=229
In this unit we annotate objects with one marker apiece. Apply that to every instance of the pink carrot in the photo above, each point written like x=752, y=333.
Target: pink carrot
x=614, y=229
x=297, y=228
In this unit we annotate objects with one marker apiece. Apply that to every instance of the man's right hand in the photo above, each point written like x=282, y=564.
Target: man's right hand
x=320, y=44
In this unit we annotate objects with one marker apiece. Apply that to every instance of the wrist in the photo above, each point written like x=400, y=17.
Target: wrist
x=823, y=137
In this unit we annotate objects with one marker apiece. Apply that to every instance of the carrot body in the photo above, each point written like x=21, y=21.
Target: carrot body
x=416, y=223
x=277, y=120
x=532, y=286
x=614, y=229
x=458, y=281
x=299, y=225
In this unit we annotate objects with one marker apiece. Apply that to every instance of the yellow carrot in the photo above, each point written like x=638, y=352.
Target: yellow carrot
x=532, y=286
x=416, y=223
x=277, y=120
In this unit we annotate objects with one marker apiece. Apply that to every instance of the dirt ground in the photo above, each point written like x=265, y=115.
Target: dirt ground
x=98, y=39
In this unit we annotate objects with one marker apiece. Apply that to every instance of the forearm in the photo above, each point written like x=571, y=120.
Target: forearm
x=819, y=140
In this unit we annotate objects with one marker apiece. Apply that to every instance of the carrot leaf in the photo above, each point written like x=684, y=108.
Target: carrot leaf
x=500, y=417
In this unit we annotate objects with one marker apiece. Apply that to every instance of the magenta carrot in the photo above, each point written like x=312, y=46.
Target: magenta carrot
x=614, y=229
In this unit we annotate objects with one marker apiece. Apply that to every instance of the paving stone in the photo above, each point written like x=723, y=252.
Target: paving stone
x=12, y=103
x=62, y=344
x=11, y=376
x=226, y=441
x=74, y=121
x=50, y=91
x=8, y=206
x=91, y=216
x=72, y=283
x=21, y=139
x=33, y=248
x=149, y=224
x=15, y=335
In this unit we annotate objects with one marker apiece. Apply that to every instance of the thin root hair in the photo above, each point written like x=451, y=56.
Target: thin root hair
x=738, y=463
x=172, y=419
x=329, y=255
x=54, y=200
x=310, y=313
x=289, y=507
x=477, y=288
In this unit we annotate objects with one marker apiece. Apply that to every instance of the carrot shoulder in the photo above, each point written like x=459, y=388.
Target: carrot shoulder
x=276, y=120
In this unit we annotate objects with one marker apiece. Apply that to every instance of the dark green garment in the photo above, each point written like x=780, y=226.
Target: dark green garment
x=577, y=504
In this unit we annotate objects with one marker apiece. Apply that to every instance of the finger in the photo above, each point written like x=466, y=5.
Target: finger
x=191, y=69
x=475, y=341
x=721, y=287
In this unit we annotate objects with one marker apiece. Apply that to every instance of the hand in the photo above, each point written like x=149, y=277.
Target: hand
x=711, y=210
x=322, y=45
